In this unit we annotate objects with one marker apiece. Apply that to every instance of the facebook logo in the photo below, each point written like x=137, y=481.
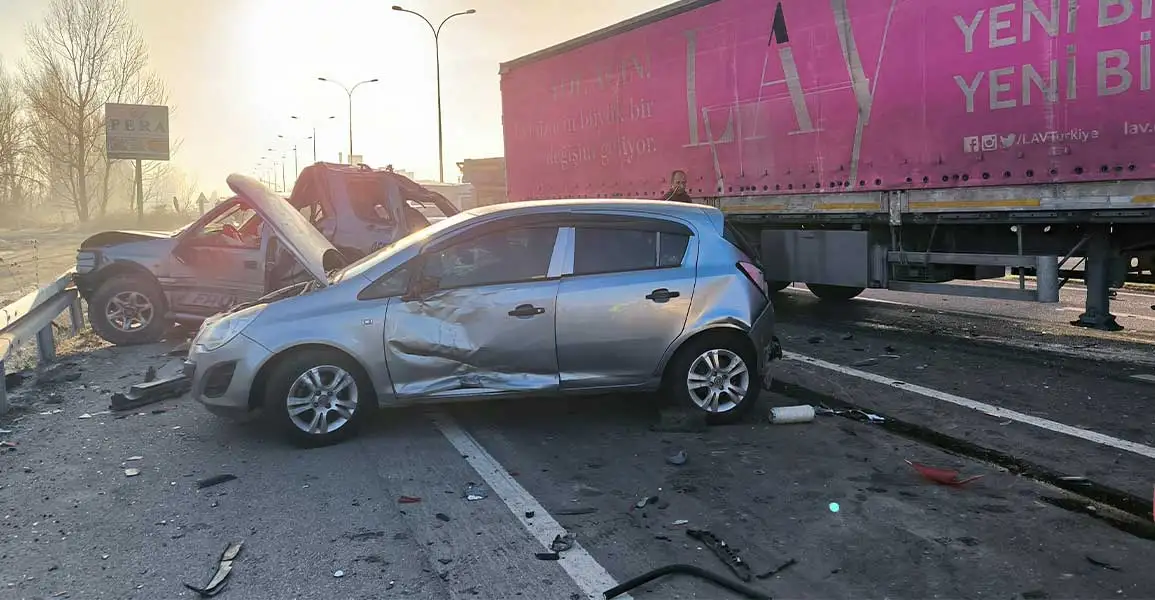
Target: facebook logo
x=971, y=143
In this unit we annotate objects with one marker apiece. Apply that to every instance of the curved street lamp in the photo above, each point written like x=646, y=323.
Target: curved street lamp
x=437, y=58
x=314, y=136
x=349, y=92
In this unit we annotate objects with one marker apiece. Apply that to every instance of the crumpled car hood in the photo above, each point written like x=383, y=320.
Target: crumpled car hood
x=115, y=238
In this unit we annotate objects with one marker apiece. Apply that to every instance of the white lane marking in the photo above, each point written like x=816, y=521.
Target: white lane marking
x=1144, y=377
x=994, y=411
x=1117, y=314
x=586, y=572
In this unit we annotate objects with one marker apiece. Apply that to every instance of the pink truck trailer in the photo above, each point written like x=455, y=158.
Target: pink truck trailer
x=898, y=144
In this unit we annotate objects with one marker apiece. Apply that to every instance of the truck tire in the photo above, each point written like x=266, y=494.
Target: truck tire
x=777, y=286
x=128, y=310
x=688, y=374
x=834, y=292
x=312, y=416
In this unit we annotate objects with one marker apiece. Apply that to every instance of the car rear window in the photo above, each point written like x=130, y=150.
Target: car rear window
x=615, y=250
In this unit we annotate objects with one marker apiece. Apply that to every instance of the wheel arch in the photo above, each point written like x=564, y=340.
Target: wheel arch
x=260, y=380
x=119, y=268
x=724, y=331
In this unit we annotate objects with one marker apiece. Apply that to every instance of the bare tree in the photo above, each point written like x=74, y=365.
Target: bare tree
x=84, y=54
x=17, y=185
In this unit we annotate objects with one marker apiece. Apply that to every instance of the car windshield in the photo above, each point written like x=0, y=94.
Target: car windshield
x=416, y=237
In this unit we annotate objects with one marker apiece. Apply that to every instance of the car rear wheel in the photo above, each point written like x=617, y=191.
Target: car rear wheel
x=834, y=292
x=318, y=397
x=128, y=310
x=716, y=375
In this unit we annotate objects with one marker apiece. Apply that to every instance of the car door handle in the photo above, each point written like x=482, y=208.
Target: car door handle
x=662, y=295
x=250, y=264
x=526, y=310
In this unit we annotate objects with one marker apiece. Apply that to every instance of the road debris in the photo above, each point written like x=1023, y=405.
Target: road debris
x=942, y=476
x=150, y=392
x=474, y=492
x=5, y=431
x=150, y=374
x=723, y=551
x=408, y=500
x=338, y=573
x=778, y=569
x=562, y=542
x=547, y=556
x=1102, y=564
x=220, y=577
x=131, y=472
x=783, y=415
x=858, y=414
x=681, y=522
x=529, y=514
x=866, y=362
x=577, y=510
x=215, y=480
x=640, y=504
x=699, y=572
x=442, y=517
x=678, y=459
x=132, y=458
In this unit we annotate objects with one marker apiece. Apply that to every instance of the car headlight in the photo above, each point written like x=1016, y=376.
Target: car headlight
x=218, y=331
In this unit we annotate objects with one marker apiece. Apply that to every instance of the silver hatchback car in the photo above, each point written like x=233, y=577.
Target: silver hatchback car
x=524, y=299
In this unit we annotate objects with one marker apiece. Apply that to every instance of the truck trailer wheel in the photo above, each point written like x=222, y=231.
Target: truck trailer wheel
x=128, y=310
x=834, y=292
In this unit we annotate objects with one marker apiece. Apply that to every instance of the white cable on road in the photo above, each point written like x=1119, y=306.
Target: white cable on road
x=586, y=572
x=990, y=409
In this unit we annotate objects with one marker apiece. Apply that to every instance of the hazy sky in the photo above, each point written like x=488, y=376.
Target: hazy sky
x=238, y=69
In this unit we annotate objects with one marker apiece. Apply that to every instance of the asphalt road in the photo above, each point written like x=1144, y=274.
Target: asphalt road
x=835, y=495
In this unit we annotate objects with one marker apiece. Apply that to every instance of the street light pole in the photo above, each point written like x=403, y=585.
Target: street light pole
x=314, y=137
x=437, y=59
x=349, y=92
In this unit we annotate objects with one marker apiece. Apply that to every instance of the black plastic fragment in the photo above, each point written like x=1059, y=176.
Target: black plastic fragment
x=547, y=556
x=215, y=480
x=723, y=551
x=142, y=394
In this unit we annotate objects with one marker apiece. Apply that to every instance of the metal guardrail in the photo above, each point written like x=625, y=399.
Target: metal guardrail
x=32, y=317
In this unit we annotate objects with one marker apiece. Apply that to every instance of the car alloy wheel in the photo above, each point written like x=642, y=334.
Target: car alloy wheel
x=129, y=311
x=718, y=380
x=322, y=400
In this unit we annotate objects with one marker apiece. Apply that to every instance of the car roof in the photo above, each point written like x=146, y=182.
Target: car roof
x=663, y=207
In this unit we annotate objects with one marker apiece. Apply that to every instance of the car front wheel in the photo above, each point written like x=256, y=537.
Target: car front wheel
x=715, y=375
x=318, y=397
x=128, y=310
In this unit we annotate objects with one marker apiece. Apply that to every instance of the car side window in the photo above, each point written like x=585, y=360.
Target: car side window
x=369, y=200
x=500, y=257
x=616, y=250
x=395, y=283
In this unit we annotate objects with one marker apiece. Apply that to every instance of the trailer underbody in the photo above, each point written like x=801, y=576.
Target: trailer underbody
x=922, y=240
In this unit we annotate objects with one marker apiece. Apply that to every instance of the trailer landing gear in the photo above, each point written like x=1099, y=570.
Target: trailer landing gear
x=1097, y=277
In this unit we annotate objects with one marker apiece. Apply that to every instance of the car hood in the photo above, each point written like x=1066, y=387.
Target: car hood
x=299, y=237
x=115, y=238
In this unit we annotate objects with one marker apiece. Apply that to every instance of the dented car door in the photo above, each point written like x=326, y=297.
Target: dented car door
x=479, y=318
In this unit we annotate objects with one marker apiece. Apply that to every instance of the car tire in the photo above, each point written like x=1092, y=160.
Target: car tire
x=777, y=286
x=294, y=404
x=124, y=300
x=835, y=293
x=691, y=365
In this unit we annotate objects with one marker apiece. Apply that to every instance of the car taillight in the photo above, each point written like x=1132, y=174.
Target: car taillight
x=755, y=275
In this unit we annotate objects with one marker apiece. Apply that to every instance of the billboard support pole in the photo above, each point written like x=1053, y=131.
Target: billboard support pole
x=139, y=193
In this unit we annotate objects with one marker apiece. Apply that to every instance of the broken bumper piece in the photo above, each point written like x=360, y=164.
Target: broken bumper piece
x=143, y=394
